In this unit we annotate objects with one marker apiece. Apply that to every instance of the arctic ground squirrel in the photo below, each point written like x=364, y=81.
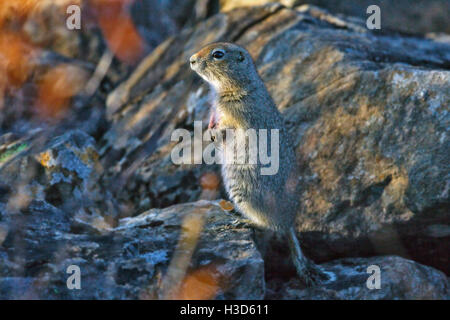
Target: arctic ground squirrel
x=243, y=102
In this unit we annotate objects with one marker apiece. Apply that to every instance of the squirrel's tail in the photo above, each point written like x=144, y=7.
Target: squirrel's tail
x=310, y=273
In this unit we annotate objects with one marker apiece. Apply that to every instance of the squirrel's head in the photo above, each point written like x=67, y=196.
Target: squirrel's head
x=226, y=66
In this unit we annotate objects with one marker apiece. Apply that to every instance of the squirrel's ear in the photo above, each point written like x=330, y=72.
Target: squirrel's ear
x=241, y=57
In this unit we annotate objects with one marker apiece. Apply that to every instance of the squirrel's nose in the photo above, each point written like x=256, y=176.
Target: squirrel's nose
x=193, y=59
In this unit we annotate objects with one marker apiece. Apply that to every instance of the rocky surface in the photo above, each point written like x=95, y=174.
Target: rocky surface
x=96, y=187
x=61, y=171
x=135, y=260
x=128, y=262
x=421, y=16
x=399, y=279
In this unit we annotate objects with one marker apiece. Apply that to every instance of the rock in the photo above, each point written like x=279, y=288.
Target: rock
x=61, y=171
x=372, y=183
x=420, y=16
x=206, y=251
x=401, y=279
x=368, y=113
x=128, y=262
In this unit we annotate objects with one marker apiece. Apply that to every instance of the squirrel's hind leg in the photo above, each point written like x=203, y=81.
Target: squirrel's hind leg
x=310, y=273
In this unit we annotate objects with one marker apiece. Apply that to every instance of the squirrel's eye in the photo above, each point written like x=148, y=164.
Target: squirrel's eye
x=218, y=54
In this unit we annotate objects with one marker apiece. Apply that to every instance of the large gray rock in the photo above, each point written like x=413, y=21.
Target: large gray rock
x=418, y=16
x=368, y=113
x=399, y=279
x=62, y=171
x=130, y=261
x=191, y=251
